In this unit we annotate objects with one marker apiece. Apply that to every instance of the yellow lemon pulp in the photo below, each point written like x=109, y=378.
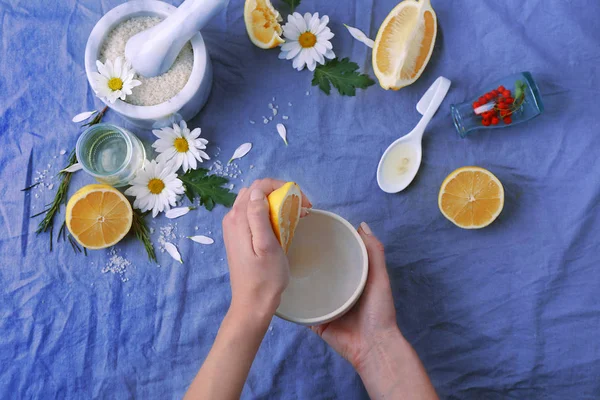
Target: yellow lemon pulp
x=98, y=216
x=285, y=205
x=404, y=44
x=262, y=23
x=471, y=197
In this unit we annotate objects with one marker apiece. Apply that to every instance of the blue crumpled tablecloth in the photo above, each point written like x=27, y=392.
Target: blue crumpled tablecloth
x=511, y=311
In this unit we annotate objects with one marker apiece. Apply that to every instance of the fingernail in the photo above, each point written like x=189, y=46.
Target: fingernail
x=257, y=194
x=366, y=228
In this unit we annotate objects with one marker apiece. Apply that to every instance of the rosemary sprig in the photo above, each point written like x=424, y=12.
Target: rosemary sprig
x=97, y=118
x=140, y=229
x=30, y=187
x=61, y=195
x=59, y=198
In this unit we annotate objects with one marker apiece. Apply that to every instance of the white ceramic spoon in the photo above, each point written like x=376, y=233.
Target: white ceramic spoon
x=153, y=51
x=401, y=161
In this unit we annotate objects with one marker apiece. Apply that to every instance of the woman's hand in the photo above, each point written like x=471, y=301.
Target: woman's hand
x=372, y=320
x=259, y=273
x=368, y=337
x=258, y=266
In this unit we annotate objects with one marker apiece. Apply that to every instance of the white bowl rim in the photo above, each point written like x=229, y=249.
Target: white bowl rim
x=357, y=292
x=152, y=7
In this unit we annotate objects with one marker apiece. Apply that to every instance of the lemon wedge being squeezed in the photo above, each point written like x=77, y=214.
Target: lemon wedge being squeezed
x=285, y=205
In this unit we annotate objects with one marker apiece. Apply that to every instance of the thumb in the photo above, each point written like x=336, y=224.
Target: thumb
x=263, y=237
x=375, y=250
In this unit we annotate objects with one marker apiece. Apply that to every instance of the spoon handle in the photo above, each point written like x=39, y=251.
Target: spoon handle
x=440, y=87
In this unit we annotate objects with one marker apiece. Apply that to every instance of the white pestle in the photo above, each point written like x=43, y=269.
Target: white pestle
x=153, y=51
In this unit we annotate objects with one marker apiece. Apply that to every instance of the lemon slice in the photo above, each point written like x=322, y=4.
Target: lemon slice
x=262, y=23
x=404, y=44
x=98, y=216
x=471, y=197
x=285, y=205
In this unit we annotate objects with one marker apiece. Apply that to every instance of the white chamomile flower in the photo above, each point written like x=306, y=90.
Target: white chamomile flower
x=307, y=40
x=179, y=145
x=155, y=187
x=114, y=81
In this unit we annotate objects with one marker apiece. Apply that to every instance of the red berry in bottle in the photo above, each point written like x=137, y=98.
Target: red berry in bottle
x=485, y=122
x=482, y=100
x=495, y=93
x=506, y=93
x=504, y=113
x=501, y=88
x=502, y=106
x=507, y=120
x=489, y=96
x=475, y=104
x=510, y=100
x=495, y=121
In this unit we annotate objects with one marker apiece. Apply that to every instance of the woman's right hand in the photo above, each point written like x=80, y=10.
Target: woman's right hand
x=372, y=321
x=369, y=338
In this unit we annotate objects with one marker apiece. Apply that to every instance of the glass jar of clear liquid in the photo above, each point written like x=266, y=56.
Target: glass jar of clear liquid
x=110, y=154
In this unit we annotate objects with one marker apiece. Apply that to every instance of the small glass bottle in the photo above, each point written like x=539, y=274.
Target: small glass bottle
x=110, y=154
x=506, y=102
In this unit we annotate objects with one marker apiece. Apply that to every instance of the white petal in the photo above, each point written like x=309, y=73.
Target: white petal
x=241, y=151
x=201, y=239
x=118, y=68
x=73, y=168
x=177, y=212
x=291, y=45
x=330, y=54
x=360, y=36
x=323, y=24
x=300, y=22
x=83, y=116
x=282, y=132
x=299, y=61
x=173, y=252
x=102, y=69
x=307, y=18
x=311, y=64
x=314, y=23
x=326, y=35
x=294, y=52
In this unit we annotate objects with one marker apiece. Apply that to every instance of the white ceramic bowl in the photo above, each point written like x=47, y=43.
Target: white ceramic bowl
x=185, y=104
x=329, y=267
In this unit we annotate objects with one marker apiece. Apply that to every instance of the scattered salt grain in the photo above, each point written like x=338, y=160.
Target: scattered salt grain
x=274, y=111
x=273, y=98
x=252, y=122
x=271, y=106
x=307, y=93
x=271, y=118
x=285, y=117
x=116, y=265
x=157, y=89
x=50, y=186
x=166, y=233
x=37, y=196
x=195, y=228
x=290, y=104
x=63, y=152
x=231, y=186
x=265, y=120
x=151, y=230
x=251, y=166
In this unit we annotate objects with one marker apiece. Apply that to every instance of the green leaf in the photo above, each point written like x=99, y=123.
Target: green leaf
x=208, y=188
x=343, y=75
x=292, y=4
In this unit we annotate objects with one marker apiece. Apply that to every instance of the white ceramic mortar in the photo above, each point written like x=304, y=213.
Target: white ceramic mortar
x=185, y=104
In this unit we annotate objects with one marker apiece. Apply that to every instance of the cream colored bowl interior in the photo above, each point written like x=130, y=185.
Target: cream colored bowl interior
x=328, y=265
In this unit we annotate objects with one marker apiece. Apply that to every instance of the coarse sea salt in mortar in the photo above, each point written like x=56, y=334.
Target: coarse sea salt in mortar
x=153, y=90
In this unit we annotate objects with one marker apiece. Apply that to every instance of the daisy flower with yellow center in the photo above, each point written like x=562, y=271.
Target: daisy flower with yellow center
x=180, y=146
x=155, y=187
x=114, y=81
x=307, y=40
